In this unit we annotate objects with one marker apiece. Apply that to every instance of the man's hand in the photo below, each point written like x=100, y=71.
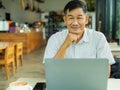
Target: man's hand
x=71, y=38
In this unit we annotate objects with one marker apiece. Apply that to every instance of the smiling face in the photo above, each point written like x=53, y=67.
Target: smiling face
x=76, y=21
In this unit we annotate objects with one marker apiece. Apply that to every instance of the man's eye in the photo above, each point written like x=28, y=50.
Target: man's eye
x=70, y=18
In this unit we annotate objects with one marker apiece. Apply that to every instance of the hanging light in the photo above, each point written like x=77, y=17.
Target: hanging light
x=1, y=5
x=27, y=7
x=31, y=4
x=22, y=4
x=33, y=9
x=38, y=9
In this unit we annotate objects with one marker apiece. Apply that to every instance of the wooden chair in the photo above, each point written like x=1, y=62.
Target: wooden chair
x=18, y=54
x=8, y=58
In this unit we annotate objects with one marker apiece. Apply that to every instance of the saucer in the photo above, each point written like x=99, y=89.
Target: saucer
x=8, y=88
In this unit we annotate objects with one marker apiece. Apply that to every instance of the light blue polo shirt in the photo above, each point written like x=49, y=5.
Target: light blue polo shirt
x=92, y=45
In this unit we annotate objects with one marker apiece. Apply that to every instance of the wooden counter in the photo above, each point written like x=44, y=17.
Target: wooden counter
x=31, y=40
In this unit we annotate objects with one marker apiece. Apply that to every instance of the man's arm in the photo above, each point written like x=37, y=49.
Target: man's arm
x=109, y=70
x=61, y=52
x=71, y=38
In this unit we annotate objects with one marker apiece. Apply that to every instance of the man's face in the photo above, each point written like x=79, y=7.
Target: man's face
x=75, y=21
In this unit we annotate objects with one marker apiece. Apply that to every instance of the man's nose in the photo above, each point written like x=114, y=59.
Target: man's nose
x=75, y=22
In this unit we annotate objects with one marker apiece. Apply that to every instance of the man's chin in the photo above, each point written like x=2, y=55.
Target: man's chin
x=75, y=31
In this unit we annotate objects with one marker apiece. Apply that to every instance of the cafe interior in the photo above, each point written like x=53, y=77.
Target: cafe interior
x=26, y=25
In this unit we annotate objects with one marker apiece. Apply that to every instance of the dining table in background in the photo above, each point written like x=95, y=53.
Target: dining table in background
x=4, y=45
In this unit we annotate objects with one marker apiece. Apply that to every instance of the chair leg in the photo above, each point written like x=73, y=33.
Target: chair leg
x=7, y=71
x=13, y=68
x=17, y=62
x=21, y=58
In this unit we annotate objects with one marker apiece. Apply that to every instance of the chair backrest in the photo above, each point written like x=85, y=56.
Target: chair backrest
x=9, y=54
x=7, y=58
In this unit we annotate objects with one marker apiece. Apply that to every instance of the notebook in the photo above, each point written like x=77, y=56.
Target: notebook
x=76, y=74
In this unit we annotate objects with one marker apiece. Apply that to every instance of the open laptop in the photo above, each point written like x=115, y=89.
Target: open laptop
x=76, y=74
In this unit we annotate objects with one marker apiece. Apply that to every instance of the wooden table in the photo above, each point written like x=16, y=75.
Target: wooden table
x=113, y=84
x=3, y=45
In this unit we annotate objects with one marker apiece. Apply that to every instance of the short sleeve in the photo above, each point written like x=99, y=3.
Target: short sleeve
x=103, y=49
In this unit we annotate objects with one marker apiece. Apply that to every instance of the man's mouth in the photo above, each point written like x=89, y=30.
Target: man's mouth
x=75, y=28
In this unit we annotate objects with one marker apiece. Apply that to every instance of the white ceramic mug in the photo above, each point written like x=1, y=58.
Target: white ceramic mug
x=19, y=86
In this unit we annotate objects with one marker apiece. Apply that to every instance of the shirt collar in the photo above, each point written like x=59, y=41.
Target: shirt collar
x=85, y=37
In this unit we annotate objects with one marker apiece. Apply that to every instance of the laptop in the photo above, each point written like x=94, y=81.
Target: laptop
x=76, y=74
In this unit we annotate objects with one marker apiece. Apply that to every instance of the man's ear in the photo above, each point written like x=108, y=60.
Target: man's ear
x=64, y=18
x=87, y=19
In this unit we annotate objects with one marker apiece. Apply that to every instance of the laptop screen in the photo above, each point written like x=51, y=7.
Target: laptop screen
x=76, y=74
